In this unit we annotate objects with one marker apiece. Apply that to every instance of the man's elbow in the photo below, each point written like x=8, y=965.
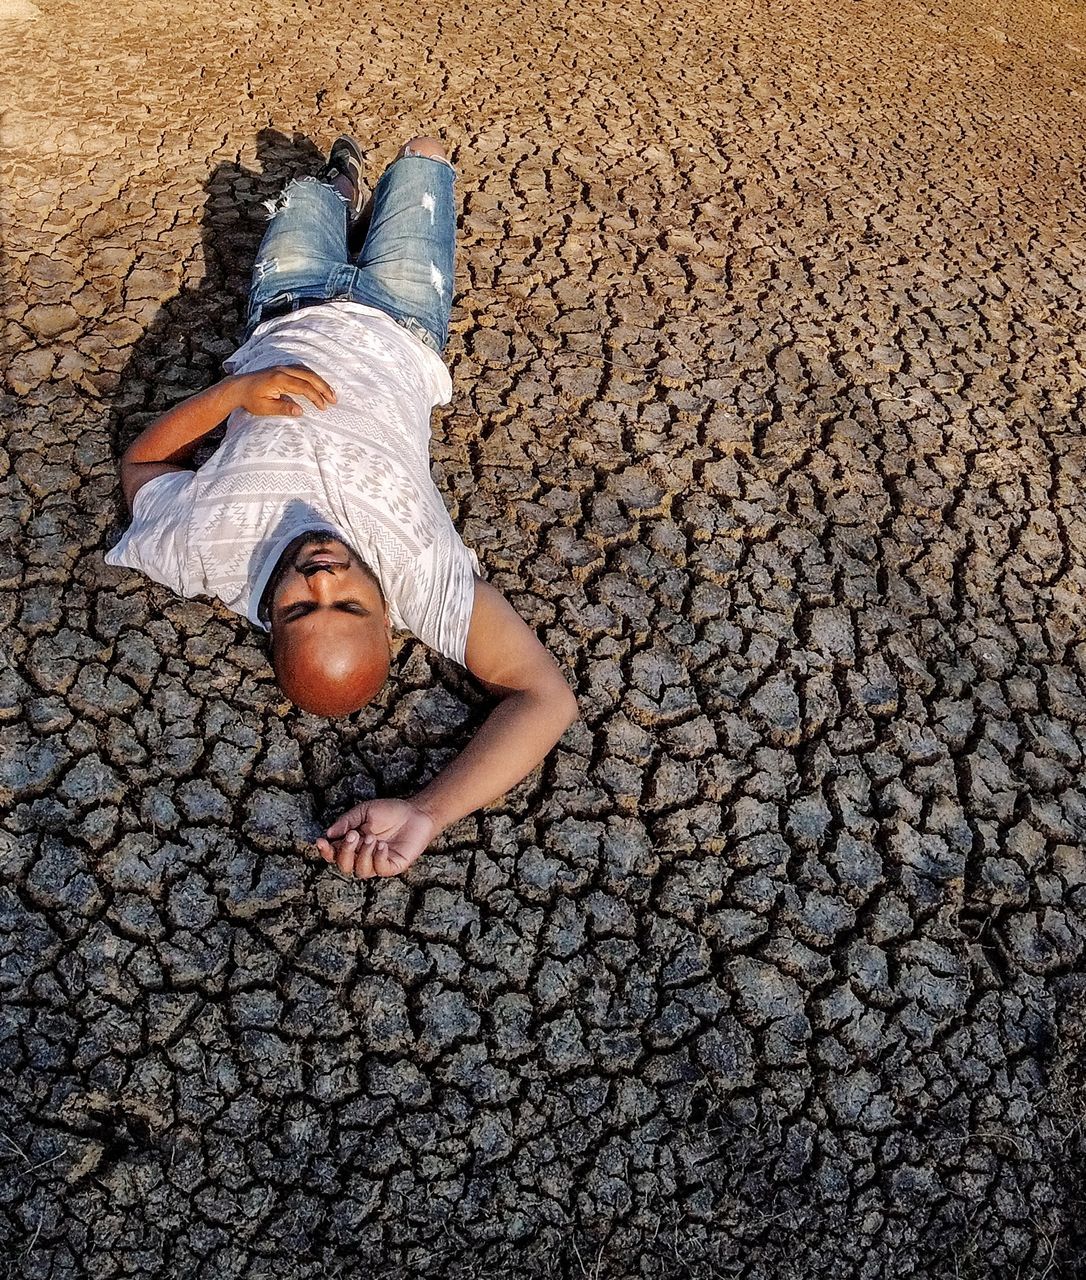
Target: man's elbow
x=129, y=484
x=566, y=704
x=551, y=701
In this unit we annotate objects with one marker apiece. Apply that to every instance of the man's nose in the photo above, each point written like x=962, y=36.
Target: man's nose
x=321, y=581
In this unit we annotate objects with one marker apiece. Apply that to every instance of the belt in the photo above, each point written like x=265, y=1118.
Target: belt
x=288, y=305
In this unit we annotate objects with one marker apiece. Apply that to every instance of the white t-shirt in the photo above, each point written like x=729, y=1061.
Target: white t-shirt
x=359, y=469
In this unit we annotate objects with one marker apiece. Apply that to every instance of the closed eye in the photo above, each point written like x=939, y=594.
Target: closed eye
x=305, y=607
x=295, y=611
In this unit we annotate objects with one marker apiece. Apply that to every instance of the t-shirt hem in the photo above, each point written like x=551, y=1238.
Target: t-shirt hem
x=438, y=367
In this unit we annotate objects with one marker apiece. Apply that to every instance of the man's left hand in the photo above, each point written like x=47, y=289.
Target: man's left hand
x=377, y=838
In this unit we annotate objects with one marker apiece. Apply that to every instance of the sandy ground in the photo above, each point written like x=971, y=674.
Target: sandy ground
x=769, y=374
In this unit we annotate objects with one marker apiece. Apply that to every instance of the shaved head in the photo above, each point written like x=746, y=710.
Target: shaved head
x=330, y=637
x=330, y=673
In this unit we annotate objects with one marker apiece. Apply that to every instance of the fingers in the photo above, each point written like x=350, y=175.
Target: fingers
x=323, y=389
x=354, y=855
x=276, y=390
x=363, y=857
x=363, y=864
x=343, y=824
x=345, y=855
x=302, y=381
x=297, y=387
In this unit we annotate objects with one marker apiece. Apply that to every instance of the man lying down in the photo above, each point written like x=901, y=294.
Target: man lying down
x=317, y=517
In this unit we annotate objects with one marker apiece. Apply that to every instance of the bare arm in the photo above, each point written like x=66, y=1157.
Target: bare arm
x=536, y=706
x=168, y=442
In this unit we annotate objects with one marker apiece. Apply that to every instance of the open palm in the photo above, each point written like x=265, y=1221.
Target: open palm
x=377, y=838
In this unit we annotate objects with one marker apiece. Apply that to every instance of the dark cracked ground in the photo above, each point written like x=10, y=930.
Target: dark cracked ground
x=769, y=362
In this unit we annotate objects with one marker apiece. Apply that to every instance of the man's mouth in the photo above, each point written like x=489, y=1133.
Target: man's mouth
x=322, y=557
x=312, y=563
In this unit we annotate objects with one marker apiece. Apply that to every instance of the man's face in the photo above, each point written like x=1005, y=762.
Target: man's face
x=324, y=585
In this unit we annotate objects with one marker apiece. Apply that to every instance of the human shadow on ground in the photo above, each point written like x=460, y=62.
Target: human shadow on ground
x=184, y=346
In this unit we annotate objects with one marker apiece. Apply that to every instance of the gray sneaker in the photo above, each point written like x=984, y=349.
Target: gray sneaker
x=345, y=159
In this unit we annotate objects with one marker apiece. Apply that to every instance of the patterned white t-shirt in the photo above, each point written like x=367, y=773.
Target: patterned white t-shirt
x=360, y=469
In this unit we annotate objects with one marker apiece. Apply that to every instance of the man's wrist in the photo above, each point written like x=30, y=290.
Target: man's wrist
x=229, y=389
x=430, y=806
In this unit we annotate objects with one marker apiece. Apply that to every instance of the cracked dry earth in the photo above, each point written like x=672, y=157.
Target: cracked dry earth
x=768, y=358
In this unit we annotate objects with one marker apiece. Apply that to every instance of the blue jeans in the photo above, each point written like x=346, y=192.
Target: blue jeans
x=404, y=268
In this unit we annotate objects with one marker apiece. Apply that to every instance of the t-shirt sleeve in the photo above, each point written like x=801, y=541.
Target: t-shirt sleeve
x=156, y=542
x=437, y=602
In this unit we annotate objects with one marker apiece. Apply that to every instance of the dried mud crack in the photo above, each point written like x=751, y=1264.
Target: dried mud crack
x=769, y=359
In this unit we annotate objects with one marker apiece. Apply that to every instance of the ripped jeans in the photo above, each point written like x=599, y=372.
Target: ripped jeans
x=404, y=268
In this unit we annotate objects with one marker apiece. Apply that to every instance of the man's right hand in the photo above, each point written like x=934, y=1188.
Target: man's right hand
x=276, y=390
x=167, y=444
